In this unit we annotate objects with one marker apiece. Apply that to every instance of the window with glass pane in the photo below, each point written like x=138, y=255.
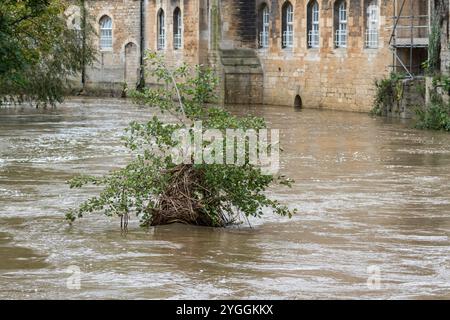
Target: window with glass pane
x=313, y=25
x=341, y=31
x=372, y=25
x=161, y=31
x=264, y=27
x=105, y=33
x=288, y=25
x=177, y=29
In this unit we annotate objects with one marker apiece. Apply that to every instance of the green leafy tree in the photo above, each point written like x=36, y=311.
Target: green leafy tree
x=435, y=115
x=160, y=191
x=39, y=52
x=389, y=91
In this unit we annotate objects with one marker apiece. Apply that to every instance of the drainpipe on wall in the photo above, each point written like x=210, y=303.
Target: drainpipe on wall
x=83, y=45
x=141, y=83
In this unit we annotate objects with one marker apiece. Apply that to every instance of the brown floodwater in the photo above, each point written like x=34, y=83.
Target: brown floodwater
x=373, y=197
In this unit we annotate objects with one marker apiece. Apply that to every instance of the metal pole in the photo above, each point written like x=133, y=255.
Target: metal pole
x=83, y=44
x=412, y=38
x=141, y=83
x=393, y=36
x=396, y=19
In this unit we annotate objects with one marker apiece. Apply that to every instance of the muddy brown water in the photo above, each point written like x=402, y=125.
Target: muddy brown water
x=373, y=197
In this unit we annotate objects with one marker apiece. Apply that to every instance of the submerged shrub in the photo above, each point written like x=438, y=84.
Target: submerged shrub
x=160, y=190
x=435, y=116
x=388, y=92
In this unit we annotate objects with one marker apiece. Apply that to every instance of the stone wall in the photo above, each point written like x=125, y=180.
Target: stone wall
x=441, y=7
x=120, y=64
x=326, y=77
x=243, y=77
x=323, y=77
x=445, y=39
x=192, y=50
x=413, y=97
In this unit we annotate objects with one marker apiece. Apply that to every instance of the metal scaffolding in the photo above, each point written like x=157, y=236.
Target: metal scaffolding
x=410, y=31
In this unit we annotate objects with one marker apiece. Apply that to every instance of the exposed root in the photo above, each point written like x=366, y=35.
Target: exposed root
x=187, y=201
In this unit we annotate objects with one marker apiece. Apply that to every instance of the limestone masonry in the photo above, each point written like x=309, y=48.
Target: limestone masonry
x=310, y=53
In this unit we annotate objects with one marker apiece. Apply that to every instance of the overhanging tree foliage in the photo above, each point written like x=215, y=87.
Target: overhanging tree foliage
x=38, y=50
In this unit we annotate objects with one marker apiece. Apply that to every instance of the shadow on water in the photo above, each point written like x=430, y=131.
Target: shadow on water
x=14, y=257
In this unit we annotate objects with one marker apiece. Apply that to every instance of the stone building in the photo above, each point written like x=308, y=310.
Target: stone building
x=441, y=8
x=311, y=53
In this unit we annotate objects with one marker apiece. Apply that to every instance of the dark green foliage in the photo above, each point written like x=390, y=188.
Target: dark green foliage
x=38, y=51
x=442, y=83
x=388, y=92
x=435, y=116
x=433, y=64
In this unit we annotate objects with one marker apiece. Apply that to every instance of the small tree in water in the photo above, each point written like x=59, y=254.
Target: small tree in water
x=160, y=190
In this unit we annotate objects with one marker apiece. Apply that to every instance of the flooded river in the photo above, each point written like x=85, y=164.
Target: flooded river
x=374, y=214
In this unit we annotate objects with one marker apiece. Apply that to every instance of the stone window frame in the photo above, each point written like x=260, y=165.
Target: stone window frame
x=161, y=30
x=371, y=27
x=110, y=38
x=340, y=24
x=264, y=26
x=313, y=25
x=287, y=26
x=178, y=29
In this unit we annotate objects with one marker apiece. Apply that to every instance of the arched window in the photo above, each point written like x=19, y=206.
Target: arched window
x=372, y=24
x=105, y=33
x=340, y=13
x=264, y=21
x=288, y=25
x=313, y=24
x=161, y=30
x=177, y=29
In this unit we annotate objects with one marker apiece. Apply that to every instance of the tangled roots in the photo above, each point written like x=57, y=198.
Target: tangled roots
x=187, y=200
